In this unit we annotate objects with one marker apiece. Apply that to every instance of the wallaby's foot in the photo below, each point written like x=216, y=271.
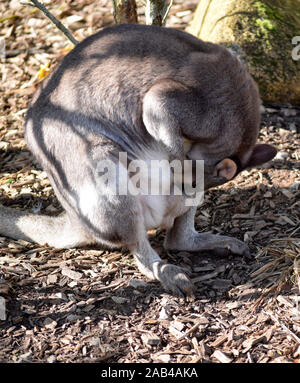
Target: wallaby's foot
x=173, y=279
x=150, y=264
x=206, y=242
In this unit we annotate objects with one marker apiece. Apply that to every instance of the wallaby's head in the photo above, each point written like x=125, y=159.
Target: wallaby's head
x=233, y=113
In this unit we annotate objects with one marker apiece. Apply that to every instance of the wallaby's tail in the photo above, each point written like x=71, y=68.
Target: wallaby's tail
x=55, y=231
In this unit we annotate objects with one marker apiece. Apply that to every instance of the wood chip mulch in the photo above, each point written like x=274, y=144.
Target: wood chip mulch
x=92, y=305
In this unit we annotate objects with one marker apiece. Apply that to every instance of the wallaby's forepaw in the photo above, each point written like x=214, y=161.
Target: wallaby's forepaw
x=173, y=279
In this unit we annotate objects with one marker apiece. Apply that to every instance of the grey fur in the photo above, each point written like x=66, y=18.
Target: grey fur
x=141, y=90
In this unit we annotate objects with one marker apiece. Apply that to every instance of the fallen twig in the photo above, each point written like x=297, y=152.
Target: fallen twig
x=191, y=330
x=57, y=23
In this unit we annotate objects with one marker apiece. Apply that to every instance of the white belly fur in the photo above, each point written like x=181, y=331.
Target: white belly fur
x=161, y=211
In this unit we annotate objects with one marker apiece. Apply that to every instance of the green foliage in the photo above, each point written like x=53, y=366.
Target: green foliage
x=263, y=31
x=265, y=25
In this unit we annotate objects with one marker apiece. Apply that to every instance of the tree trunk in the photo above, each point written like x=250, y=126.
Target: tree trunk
x=263, y=33
x=156, y=12
x=125, y=11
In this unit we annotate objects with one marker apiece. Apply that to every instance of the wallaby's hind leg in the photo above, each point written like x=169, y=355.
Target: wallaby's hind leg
x=183, y=236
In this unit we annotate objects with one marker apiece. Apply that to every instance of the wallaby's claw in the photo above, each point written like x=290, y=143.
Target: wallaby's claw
x=238, y=247
x=247, y=255
x=233, y=246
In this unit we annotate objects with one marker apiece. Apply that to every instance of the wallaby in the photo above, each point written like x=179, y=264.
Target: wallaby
x=152, y=93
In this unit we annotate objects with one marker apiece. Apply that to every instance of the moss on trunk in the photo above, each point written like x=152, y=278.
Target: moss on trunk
x=261, y=32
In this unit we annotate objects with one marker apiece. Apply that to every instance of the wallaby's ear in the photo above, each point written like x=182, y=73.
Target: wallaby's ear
x=227, y=168
x=261, y=153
